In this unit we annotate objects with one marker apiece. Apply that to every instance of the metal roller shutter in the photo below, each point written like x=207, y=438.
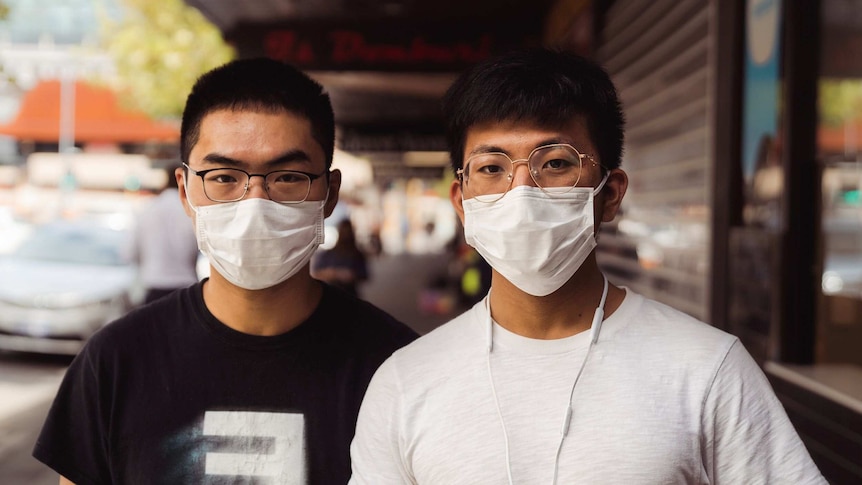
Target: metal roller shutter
x=659, y=54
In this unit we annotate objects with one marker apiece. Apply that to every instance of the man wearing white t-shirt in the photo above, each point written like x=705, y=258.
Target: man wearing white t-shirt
x=558, y=376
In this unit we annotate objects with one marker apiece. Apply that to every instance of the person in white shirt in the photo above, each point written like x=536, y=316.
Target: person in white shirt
x=558, y=376
x=164, y=244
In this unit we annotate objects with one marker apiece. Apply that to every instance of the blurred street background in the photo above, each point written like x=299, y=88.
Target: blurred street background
x=743, y=143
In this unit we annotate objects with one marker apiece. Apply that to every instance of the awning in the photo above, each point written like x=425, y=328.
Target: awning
x=98, y=117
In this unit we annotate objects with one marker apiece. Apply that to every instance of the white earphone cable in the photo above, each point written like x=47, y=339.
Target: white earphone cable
x=595, y=328
x=502, y=421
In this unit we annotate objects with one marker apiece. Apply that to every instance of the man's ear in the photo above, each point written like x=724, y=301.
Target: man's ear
x=612, y=194
x=456, y=198
x=180, y=175
x=334, y=188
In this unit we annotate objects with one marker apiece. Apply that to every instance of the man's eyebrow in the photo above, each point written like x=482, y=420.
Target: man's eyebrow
x=555, y=140
x=486, y=149
x=218, y=159
x=286, y=157
x=496, y=149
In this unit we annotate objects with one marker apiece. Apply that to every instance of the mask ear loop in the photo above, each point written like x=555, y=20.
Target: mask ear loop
x=595, y=329
x=601, y=184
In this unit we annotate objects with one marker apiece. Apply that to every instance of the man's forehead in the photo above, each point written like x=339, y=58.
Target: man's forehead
x=528, y=131
x=258, y=114
x=248, y=137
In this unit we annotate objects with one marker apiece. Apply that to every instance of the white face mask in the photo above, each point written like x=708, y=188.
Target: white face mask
x=257, y=243
x=537, y=239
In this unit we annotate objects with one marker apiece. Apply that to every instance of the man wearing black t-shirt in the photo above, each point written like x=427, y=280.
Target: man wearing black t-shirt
x=256, y=374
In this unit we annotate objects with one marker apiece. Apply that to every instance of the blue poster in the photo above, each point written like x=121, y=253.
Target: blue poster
x=762, y=79
x=761, y=115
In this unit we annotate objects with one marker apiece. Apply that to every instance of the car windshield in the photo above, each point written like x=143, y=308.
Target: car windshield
x=73, y=244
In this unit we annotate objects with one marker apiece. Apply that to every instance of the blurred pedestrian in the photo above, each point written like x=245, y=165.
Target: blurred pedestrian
x=255, y=374
x=343, y=266
x=163, y=243
x=557, y=376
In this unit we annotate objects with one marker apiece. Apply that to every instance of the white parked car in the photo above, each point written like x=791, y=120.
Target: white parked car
x=61, y=284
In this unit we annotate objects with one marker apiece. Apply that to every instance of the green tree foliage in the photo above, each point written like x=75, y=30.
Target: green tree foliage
x=160, y=47
x=840, y=100
x=4, y=77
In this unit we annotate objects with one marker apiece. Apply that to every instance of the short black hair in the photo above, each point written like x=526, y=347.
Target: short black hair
x=536, y=85
x=259, y=84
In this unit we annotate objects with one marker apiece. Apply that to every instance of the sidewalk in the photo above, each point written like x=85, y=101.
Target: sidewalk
x=395, y=284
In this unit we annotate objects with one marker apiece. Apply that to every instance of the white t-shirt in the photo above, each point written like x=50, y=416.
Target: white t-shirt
x=663, y=398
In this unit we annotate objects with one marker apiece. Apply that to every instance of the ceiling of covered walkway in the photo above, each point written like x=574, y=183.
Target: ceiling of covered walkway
x=385, y=63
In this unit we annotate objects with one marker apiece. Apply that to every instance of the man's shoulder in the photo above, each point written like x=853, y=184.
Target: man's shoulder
x=647, y=326
x=435, y=359
x=662, y=317
x=141, y=326
x=364, y=319
x=445, y=344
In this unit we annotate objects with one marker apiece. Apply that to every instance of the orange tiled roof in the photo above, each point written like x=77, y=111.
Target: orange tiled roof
x=98, y=117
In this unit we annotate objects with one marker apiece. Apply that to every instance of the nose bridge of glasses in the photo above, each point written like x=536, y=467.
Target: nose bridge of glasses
x=263, y=191
x=527, y=177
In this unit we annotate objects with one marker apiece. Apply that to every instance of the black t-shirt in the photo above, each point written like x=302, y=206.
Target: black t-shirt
x=169, y=395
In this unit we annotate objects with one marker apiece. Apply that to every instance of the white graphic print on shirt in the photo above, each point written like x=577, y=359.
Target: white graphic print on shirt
x=283, y=462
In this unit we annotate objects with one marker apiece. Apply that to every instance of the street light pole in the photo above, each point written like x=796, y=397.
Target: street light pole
x=66, y=142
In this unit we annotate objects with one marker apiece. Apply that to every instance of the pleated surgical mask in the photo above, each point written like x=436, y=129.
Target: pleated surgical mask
x=535, y=238
x=257, y=243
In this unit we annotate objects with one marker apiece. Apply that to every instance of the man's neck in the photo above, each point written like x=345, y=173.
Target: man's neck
x=267, y=312
x=563, y=313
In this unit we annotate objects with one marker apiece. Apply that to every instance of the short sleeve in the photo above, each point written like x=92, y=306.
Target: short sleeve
x=376, y=454
x=73, y=439
x=748, y=436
